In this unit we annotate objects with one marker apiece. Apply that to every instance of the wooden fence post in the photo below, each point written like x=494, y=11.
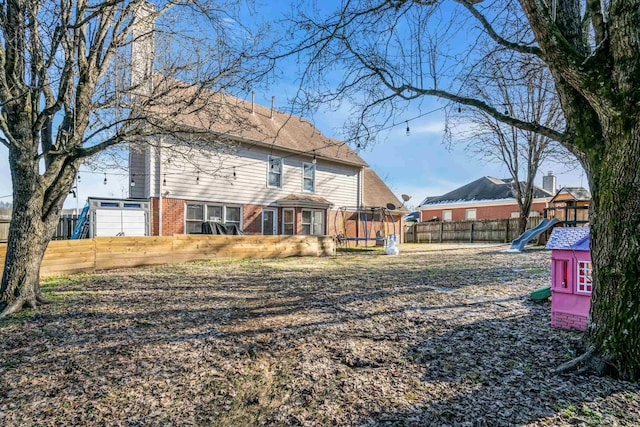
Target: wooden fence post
x=506, y=230
x=441, y=230
x=471, y=232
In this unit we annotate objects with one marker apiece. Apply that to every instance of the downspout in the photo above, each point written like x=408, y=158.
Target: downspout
x=160, y=189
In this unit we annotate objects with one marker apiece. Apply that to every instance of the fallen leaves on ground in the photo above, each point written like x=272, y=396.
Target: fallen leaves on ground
x=439, y=335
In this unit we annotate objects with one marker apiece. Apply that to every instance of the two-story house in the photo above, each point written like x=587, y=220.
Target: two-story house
x=235, y=162
x=276, y=174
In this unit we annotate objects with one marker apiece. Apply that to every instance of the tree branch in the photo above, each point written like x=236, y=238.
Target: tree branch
x=469, y=5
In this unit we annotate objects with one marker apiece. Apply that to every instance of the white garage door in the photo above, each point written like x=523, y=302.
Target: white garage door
x=113, y=222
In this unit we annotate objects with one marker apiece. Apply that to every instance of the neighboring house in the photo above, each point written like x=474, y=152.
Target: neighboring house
x=571, y=205
x=571, y=280
x=277, y=174
x=484, y=198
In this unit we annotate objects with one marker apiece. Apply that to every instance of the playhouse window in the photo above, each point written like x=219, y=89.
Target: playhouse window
x=585, y=285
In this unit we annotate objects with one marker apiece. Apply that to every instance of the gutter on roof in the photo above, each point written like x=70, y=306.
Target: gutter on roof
x=487, y=202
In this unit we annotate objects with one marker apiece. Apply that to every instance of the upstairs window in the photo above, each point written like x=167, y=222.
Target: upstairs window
x=275, y=172
x=309, y=177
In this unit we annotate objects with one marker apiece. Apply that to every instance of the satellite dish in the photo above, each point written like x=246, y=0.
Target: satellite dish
x=405, y=197
x=391, y=206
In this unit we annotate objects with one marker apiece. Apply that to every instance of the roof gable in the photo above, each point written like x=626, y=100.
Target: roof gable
x=377, y=194
x=577, y=193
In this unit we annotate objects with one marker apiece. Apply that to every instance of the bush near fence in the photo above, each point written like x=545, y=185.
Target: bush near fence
x=490, y=230
x=103, y=253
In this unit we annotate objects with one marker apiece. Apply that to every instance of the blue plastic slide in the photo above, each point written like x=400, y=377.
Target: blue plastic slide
x=519, y=243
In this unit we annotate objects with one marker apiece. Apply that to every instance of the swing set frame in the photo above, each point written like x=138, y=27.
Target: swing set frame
x=362, y=215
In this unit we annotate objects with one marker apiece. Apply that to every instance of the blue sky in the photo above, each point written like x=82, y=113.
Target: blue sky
x=419, y=165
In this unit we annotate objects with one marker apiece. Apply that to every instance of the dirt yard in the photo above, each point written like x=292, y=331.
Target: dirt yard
x=440, y=335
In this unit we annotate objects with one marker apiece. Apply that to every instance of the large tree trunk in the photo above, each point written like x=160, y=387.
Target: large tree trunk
x=614, y=327
x=32, y=227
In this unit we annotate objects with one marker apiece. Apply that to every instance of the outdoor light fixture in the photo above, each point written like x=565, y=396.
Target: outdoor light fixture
x=164, y=180
x=133, y=180
x=234, y=172
x=105, y=179
x=314, y=157
x=198, y=178
x=408, y=131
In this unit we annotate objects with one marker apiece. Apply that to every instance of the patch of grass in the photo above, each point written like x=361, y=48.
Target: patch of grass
x=53, y=281
x=364, y=249
x=593, y=418
x=60, y=296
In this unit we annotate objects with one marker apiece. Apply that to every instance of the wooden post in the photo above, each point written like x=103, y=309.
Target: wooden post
x=441, y=230
x=506, y=230
x=471, y=232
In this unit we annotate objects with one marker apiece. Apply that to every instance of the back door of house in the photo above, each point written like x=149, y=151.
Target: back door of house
x=269, y=222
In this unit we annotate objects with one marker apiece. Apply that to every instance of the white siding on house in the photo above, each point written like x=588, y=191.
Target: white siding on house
x=137, y=166
x=335, y=182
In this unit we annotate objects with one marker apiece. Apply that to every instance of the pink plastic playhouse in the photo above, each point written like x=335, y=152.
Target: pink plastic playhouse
x=571, y=284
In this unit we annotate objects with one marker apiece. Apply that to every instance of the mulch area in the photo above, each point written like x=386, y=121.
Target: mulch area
x=439, y=335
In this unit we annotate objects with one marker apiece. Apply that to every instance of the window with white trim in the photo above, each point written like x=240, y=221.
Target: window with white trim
x=274, y=174
x=446, y=215
x=197, y=213
x=584, y=284
x=470, y=214
x=288, y=219
x=233, y=215
x=214, y=213
x=194, y=218
x=309, y=177
x=313, y=222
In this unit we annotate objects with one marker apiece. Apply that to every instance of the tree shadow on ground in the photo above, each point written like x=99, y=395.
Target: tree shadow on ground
x=362, y=342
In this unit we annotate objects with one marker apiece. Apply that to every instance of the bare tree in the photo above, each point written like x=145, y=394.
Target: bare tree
x=524, y=90
x=68, y=92
x=380, y=54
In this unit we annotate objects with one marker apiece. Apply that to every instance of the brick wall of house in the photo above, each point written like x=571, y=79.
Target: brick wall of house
x=568, y=321
x=174, y=210
x=252, y=219
x=172, y=216
x=482, y=212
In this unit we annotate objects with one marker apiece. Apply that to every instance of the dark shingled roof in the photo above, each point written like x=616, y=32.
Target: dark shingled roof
x=485, y=188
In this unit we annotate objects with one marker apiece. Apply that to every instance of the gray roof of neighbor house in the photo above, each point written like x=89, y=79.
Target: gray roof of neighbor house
x=578, y=193
x=241, y=120
x=377, y=194
x=483, y=189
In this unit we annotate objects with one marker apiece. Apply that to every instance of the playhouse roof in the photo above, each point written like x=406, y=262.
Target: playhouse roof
x=573, y=238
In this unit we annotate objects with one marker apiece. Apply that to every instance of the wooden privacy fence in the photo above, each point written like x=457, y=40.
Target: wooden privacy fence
x=103, y=253
x=489, y=230
x=63, y=230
